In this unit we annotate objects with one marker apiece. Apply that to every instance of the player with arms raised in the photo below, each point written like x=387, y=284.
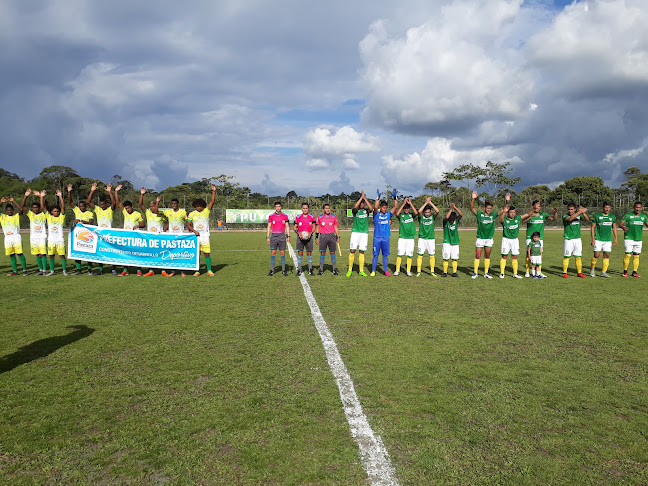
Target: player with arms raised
x=426, y=240
x=10, y=222
x=572, y=234
x=55, y=241
x=485, y=233
x=359, y=234
x=603, y=227
x=132, y=221
x=104, y=214
x=279, y=228
x=198, y=223
x=154, y=221
x=450, y=248
x=382, y=232
x=81, y=215
x=176, y=222
x=406, y=235
x=37, y=232
x=535, y=221
x=632, y=225
x=510, y=233
x=305, y=225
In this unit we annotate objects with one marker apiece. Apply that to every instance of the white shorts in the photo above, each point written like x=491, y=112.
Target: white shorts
x=359, y=241
x=604, y=246
x=405, y=247
x=573, y=247
x=528, y=240
x=536, y=260
x=510, y=245
x=425, y=245
x=481, y=243
x=632, y=246
x=450, y=252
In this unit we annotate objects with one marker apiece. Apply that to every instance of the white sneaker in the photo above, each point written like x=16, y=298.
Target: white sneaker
x=501, y=275
x=542, y=275
x=593, y=272
x=65, y=274
x=517, y=276
x=409, y=274
x=474, y=276
x=527, y=275
x=49, y=274
x=487, y=275
x=605, y=275
x=396, y=273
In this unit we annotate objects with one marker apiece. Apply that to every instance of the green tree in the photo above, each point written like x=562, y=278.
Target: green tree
x=636, y=183
x=492, y=177
x=586, y=191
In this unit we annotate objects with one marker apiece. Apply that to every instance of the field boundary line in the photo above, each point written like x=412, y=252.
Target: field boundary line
x=374, y=455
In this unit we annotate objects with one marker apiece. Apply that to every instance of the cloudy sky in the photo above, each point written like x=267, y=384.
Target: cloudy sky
x=323, y=96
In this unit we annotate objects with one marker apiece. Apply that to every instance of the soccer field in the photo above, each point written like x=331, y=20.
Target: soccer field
x=224, y=380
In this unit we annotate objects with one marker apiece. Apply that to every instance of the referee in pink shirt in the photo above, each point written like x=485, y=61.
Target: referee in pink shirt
x=328, y=236
x=278, y=234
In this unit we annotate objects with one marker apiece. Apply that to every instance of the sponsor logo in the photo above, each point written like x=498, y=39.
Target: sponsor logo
x=85, y=240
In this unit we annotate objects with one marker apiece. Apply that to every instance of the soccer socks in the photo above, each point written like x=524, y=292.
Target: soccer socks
x=334, y=261
x=486, y=265
x=299, y=261
x=385, y=263
x=502, y=265
x=409, y=264
x=351, y=259
x=432, y=262
x=399, y=261
x=515, y=266
x=476, y=266
x=322, y=263
x=594, y=260
x=13, y=263
x=565, y=264
x=283, y=263
x=539, y=270
x=606, y=264
x=23, y=263
x=635, y=262
x=272, y=262
x=527, y=262
x=51, y=264
x=361, y=258
x=310, y=263
x=445, y=266
x=419, y=263
x=454, y=266
x=77, y=263
x=374, y=263
x=208, y=262
x=579, y=264
x=64, y=264
x=626, y=262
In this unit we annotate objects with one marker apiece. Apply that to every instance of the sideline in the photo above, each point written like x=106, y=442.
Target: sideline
x=374, y=455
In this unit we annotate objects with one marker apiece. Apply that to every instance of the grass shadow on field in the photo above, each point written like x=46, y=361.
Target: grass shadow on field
x=42, y=348
x=220, y=266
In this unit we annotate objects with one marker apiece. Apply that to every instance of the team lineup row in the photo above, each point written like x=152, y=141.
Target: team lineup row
x=325, y=229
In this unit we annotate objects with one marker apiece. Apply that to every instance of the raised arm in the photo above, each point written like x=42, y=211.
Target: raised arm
x=141, y=200
x=69, y=196
x=502, y=213
x=555, y=215
x=59, y=194
x=472, y=202
x=41, y=195
x=116, y=198
x=24, y=199
x=447, y=216
x=395, y=208
x=213, y=197
x=414, y=210
x=20, y=208
x=459, y=213
x=580, y=211
x=584, y=213
x=89, y=200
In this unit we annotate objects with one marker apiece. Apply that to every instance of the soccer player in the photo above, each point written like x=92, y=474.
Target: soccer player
x=81, y=215
x=198, y=222
x=635, y=222
x=37, y=232
x=176, y=222
x=132, y=221
x=55, y=217
x=603, y=226
x=572, y=234
x=382, y=231
x=104, y=214
x=485, y=233
x=426, y=240
x=534, y=254
x=279, y=227
x=406, y=235
x=154, y=222
x=305, y=222
x=359, y=234
x=450, y=248
x=510, y=232
x=535, y=221
x=327, y=228
x=10, y=222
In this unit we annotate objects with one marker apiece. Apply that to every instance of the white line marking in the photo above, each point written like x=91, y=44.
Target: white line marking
x=374, y=455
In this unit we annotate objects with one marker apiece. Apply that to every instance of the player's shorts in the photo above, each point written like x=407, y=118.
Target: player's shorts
x=573, y=247
x=305, y=244
x=511, y=245
x=450, y=252
x=405, y=247
x=56, y=247
x=426, y=245
x=536, y=259
x=484, y=243
x=528, y=240
x=278, y=241
x=632, y=246
x=604, y=246
x=13, y=245
x=381, y=244
x=328, y=240
x=204, y=243
x=359, y=241
x=38, y=246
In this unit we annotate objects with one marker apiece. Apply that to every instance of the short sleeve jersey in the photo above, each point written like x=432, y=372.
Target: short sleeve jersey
x=382, y=229
x=451, y=232
x=131, y=219
x=305, y=222
x=426, y=227
x=635, y=223
x=82, y=215
x=326, y=223
x=176, y=220
x=536, y=223
x=104, y=216
x=511, y=227
x=603, y=228
x=154, y=222
x=407, y=228
x=278, y=222
x=55, y=227
x=37, y=224
x=536, y=248
x=485, y=225
x=10, y=224
x=572, y=229
x=360, y=221
x=200, y=221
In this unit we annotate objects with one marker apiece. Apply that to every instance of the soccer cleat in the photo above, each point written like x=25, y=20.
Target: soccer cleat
x=396, y=273
x=535, y=276
x=444, y=274
x=565, y=275
x=605, y=275
x=542, y=275
x=418, y=274
x=284, y=273
x=149, y=273
x=387, y=274
x=139, y=273
x=625, y=273
x=99, y=272
x=25, y=273
x=320, y=273
x=635, y=274
x=362, y=274
x=39, y=273
x=593, y=272
x=210, y=274
x=271, y=273
x=580, y=275
x=474, y=276
x=409, y=274
x=433, y=274
x=299, y=272
x=335, y=272
x=65, y=274
x=196, y=274
x=349, y=273
x=12, y=274
x=310, y=273
x=77, y=272
x=487, y=275
x=373, y=274
x=123, y=274
x=164, y=273
x=114, y=272
x=515, y=275
x=47, y=274
x=455, y=275
x=501, y=275
x=527, y=274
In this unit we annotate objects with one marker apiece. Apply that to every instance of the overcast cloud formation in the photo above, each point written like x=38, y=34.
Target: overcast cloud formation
x=323, y=97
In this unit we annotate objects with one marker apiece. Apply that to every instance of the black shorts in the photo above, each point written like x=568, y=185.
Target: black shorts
x=305, y=244
x=328, y=240
x=278, y=241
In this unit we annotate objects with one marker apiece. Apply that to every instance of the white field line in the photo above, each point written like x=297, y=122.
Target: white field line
x=373, y=453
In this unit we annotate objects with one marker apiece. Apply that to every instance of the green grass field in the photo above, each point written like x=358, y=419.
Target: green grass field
x=224, y=380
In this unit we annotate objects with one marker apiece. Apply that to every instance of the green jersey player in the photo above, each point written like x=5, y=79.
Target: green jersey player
x=572, y=235
x=450, y=248
x=406, y=235
x=632, y=225
x=485, y=233
x=359, y=233
x=426, y=241
x=603, y=227
x=511, y=223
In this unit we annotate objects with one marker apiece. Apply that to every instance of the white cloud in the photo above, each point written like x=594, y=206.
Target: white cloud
x=341, y=185
x=326, y=144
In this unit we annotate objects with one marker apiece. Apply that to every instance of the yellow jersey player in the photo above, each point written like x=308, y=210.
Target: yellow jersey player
x=81, y=215
x=132, y=221
x=154, y=222
x=103, y=214
x=198, y=222
x=10, y=222
x=55, y=239
x=37, y=232
x=176, y=222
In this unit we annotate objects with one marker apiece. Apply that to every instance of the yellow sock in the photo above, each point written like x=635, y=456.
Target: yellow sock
x=606, y=264
x=445, y=266
x=502, y=265
x=409, y=264
x=528, y=265
x=476, y=265
x=579, y=264
x=635, y=262
x=539, y=271
x=361, y=262
x=565, y=264
x=486, y=264
x=594, y=260
x=399, y=260
x=351, y=259
x=419, y=263
x=432, y=262
x=626, y=261
x=454, y=266
x=515, y=266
